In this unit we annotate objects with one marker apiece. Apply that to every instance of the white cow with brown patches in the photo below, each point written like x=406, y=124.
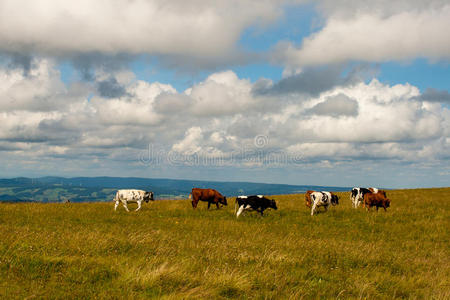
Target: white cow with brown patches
x=132, y=196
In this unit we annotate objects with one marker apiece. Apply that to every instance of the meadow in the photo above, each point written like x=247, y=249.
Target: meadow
x=170, y=251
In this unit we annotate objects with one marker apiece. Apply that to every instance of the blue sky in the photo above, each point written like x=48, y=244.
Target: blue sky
x=299, y=92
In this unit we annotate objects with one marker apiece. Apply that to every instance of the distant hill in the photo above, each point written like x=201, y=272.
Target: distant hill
x=87, y=189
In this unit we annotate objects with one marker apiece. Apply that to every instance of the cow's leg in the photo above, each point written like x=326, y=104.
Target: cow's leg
x=313, y=208
x=240, y=210
x=217, y=205
x=209, y=204
x=262, y=211
x=326, y=207
x=139, y=203
x=125, y=205
x=117, y=204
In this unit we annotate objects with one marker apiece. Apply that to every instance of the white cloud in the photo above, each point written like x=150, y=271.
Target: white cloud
x=219, y=117
x=348, y=8
x=39, y=90
x=191, y=141
x=134, y=109
x=200, y=28
x=339, y=105
x=221, y=93
x=374, y=36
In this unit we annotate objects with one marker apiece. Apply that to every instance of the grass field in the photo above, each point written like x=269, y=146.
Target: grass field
x=168, y=250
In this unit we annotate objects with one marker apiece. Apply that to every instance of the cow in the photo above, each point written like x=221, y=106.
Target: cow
x=207, y=195
x=378, y=191
x=131, y=196
x=376, y=199
x=357, y=194
x=308, y=198
x=323, y=199
x=373, y=190
x=254, y=202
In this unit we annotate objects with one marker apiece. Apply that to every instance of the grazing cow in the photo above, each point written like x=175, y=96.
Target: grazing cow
x=357, y=195
x=207, y=195
x=373, y=190
x=128, y=196
x=378, y=200
x=254, y=202
x=308, y=198
x=323, y=199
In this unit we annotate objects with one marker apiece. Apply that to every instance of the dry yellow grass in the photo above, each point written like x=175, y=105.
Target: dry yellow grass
x=169, y=251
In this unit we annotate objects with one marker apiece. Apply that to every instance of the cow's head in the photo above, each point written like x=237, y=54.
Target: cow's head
x=334, y=199
x=148, y=196
x=273, y=204
x=223, y=201
x=387, y=202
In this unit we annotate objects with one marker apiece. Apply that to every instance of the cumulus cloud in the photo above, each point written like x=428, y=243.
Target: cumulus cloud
x=221, y=93
x=339, y=105
x=377, y=35
x=217, y=117
x=21, y=61
x=40, y=89
x=311, y=81
x=434, y=95
x=349, y=8
x=110, y=88
x=202, y=30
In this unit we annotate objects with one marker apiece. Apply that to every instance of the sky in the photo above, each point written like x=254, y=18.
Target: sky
x=326, y=92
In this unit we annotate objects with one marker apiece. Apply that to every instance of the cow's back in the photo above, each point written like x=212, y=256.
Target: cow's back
x=129, y=195
x=372, y=199
x=316, y=196
x=203, y=194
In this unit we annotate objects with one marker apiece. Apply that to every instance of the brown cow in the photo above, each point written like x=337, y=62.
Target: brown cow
x=375, y=190
x=207, y=195
x=308, y=198
x=378, y=200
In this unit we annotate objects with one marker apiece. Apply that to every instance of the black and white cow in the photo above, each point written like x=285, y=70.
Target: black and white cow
x=323, y=199
x=357, y=194
x=132, y=196
x=254, y=202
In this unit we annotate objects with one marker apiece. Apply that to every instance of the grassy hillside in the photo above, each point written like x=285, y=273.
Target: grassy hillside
x=168, y=250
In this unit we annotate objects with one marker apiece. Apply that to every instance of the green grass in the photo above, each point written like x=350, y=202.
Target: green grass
x=168, y=250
